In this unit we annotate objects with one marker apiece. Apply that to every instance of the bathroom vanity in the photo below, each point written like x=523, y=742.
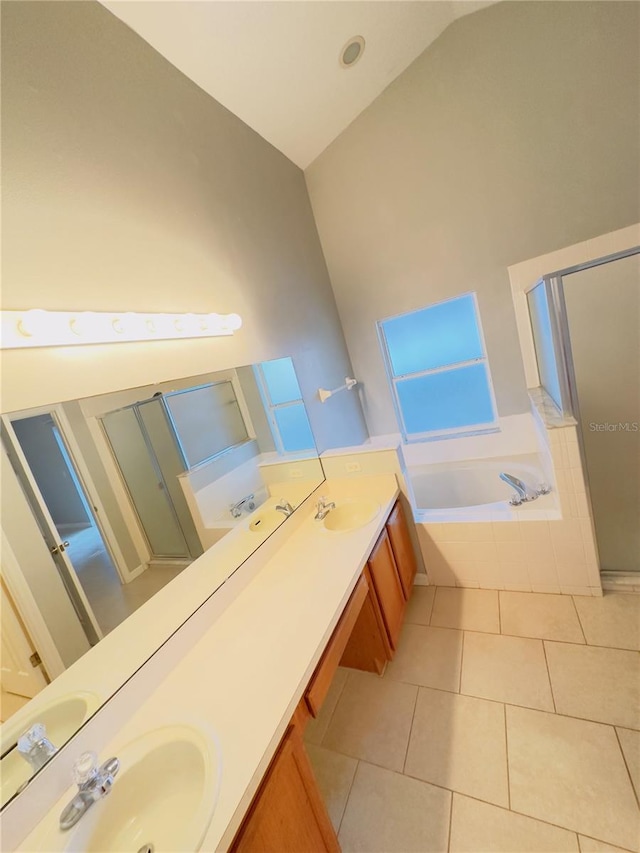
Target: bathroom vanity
x=250, y=681
x=287, y=813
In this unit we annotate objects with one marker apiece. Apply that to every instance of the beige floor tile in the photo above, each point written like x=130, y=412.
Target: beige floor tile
x=334, y=774
x=595, y=683
x=429, y=657
x=571, y=773
x=547, y=617
x=372, y=720
x=472, y=609
x=590, y=845
x=507, y=669
x=630, y=743
x=390, y=813
x=481, y=828
x=459, y=742
x=420, y=605
x=317, y=728
x=613, y=620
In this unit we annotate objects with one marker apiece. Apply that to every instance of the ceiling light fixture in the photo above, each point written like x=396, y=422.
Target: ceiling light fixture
x=352, y=51
x=39, y=328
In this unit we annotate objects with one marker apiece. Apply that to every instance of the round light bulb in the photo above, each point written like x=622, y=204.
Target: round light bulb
x=234, y=322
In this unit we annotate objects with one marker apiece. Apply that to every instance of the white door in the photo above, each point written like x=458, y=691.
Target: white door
x=18, y=674
x=57, y=548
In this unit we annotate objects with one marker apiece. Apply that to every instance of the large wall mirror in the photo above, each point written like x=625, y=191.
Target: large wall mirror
x=121, y=514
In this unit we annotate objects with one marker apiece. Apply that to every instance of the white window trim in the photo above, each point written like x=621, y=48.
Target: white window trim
x=453, y=432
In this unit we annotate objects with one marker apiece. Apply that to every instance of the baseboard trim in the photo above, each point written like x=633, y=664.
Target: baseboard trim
x=421, y=579
x=621, y=582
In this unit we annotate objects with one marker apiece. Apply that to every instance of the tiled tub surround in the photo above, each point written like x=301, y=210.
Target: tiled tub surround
x=546, y=546
x=547, y=550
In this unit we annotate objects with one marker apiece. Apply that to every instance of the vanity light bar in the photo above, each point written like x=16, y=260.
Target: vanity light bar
x=39, y=328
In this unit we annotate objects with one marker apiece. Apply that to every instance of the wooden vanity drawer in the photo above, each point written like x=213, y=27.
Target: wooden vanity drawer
x=323, y=676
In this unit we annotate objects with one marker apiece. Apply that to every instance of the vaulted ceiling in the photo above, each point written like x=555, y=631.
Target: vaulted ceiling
x=276, y=64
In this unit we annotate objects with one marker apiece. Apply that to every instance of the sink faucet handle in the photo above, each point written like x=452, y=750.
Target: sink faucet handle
x=35, y=747
x=85, y=769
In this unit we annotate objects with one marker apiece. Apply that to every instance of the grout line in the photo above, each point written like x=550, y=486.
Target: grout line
x=433, y=604
x=413, y=716
x=499, y=613
x=527, y=636
x=578, y=842
x=461, y=662
x=624, y=758
x=513, y=705
x=553, y=698
x=506, y=747
x=346, y=802
x=450, y=821
x=334, y=709
x=573, y=601
x=453, y=791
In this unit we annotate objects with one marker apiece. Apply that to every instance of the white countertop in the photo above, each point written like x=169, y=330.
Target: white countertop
x=245, y=676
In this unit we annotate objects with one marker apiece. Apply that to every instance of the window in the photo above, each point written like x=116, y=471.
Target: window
x=438, y=369
x=282, y=398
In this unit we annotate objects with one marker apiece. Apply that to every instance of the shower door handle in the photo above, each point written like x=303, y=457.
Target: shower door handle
x=58, y=549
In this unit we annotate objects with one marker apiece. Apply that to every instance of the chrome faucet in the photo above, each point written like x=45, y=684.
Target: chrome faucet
x=523, y=493
x=285, y=507
x=323, y=509
x=93, y=783
x=247, y=503
x=35, y=747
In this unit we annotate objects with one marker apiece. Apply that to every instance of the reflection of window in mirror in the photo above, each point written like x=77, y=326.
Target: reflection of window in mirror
x=282, y=399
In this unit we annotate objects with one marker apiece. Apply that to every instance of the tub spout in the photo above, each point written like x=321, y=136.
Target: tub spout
x=522, y=493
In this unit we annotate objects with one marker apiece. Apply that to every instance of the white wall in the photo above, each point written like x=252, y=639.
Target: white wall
x=126, y=187
x=517, y=132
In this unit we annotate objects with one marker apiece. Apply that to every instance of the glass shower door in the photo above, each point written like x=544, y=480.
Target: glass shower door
x=145, y=484
x=602, y=305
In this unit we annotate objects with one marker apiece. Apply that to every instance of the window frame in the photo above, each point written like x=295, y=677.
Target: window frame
x=451, y=432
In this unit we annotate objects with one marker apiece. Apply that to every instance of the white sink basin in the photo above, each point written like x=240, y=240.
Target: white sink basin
x=163, y=798
x=266, y=521
x=351, y=515
x=61, y=717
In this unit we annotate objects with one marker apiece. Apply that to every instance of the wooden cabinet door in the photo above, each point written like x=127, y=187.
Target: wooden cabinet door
x=388, y=587
x=402, y=548
x=368, y=648
x=287, y=814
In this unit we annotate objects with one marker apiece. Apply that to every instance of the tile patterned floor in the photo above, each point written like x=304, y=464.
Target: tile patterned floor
x=508, y=722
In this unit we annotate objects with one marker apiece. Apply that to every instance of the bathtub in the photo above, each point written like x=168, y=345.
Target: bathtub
x=472, y=490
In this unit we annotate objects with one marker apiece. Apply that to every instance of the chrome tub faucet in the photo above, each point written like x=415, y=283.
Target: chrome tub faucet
x=247, y=503
x=523, y=493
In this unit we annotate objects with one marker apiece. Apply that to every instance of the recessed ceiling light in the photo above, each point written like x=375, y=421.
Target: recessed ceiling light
x=352, y=51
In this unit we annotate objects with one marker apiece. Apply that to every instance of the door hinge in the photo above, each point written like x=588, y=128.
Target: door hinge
x=35, y=660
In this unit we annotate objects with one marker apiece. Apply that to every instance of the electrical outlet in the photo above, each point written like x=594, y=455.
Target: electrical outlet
x=352, y=467
x=295, y=473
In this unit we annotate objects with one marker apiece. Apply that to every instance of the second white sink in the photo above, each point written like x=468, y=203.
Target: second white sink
x=351, y=515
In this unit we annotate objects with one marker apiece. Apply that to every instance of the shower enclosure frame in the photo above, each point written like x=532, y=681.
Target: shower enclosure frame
x=565, y=368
